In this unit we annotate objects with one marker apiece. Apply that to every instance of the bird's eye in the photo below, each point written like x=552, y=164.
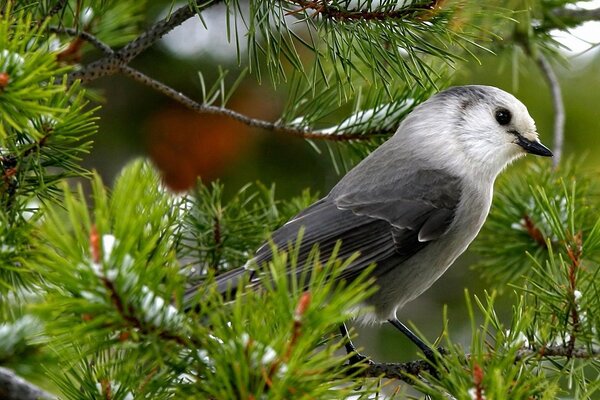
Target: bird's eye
x=503, y=116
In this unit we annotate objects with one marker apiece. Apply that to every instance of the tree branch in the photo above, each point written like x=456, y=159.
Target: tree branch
x=558, y=105
x=338, y=14
x=112, y=63
x=255, y=123
x=13, y=387
x=210, y=109
x=568, y=17
x=406, y=372
x=88, y=37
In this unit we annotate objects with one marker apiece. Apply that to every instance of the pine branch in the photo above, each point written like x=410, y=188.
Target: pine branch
x=407, y=371
x=252, y=122
x=93, y=40
x=571, y=17
x=559, y=107
x=339, y=15
x=201, y=108
x=583, y=353
x=112, y=63
x=13, y=387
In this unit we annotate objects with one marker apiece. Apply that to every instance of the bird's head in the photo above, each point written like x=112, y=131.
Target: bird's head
x=486, y=126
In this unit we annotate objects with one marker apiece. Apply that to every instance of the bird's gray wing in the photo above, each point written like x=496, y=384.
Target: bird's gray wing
x=378, y=221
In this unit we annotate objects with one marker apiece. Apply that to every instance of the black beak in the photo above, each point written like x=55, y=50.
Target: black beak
x=533, y=147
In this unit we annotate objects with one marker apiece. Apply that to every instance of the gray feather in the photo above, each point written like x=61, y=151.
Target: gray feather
x=397, y=220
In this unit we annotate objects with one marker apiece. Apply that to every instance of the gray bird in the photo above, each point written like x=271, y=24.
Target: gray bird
x=416, y=202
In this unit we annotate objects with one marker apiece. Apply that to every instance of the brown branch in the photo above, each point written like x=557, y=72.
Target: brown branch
x=336, y=14
x=112, y=63
x=201, y=108
x=478, y=381
x=559, y=351
x=534, y=231
x=210, y=109
x=252, y=122
x=88, y=37
x=407, y=371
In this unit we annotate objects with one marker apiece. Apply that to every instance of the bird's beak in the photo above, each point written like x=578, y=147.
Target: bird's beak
x=533, y=147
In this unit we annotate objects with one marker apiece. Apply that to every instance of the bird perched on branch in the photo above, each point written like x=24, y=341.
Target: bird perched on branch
x=416, y=202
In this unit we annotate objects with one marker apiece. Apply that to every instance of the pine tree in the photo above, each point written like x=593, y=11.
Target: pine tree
x=92, y=284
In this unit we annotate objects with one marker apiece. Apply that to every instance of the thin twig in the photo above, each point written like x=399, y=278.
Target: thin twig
x=533, y=231
x=210, y=109
x=88, y=37
x=559, y=107
x=256, y=123
x=338, y=14
x=112, y=63
x=584, y=353
x=13, y=387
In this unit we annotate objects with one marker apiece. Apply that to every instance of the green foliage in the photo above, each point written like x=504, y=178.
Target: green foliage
x=222, y=234
x=109, y=273
x=107, y=319
x=123, y=256
x=115, y=22
x=30, y=67
x=494, y=369
x=534, y=206
x=342, y=42
x=44, y=130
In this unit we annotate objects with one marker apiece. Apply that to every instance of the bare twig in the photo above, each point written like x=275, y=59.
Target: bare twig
x=559, y=107
x=256, y=123
x=112, y=63
x=13, y=387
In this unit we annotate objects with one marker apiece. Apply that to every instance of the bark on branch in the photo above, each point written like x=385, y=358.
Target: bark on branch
x=202, y=108
x=407, y=371
x=112, y=63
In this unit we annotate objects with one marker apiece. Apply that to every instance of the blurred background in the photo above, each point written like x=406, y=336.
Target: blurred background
x=136, y=121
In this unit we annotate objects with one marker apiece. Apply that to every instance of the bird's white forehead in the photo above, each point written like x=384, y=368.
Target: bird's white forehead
x=477, y=96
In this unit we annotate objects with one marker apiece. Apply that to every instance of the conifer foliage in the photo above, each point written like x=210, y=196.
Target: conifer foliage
x=93, y=283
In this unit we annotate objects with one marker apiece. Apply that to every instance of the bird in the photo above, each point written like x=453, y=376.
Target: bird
x=415, y=203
